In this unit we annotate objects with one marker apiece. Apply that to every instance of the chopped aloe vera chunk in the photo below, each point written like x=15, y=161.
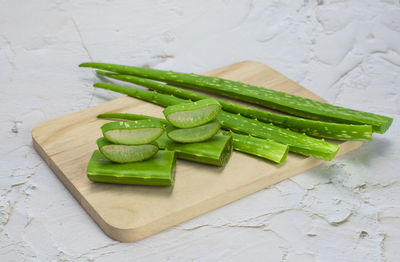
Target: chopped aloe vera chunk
x=126, y=153
x=264, y=148
x=194, y=134
x=132, y=133
x=215, y=151
x=156, y=171
x=192, y=114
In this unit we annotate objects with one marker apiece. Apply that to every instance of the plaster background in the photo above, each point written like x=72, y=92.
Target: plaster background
x=348, y=52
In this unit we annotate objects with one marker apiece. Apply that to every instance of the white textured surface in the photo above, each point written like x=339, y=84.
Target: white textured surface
x=346, y=51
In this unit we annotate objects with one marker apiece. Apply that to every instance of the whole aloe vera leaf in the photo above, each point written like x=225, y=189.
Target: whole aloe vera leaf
x=277, y=100
x=310, y=127
x=193, y=114
x=132, y=133
x=265, y=148
x=156, y=171
x=194, y=134
x=298, y=143
x=126, y=153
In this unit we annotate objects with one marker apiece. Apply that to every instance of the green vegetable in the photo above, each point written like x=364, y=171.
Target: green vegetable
x=215, y=151
x=194, y=134
x=302, y=125
x=192, y=114
x=156, y=171
x=298, y=143
x=126, y=153
x=132, y=117
x=132, y=133
x=281, y=101
x=264, y=148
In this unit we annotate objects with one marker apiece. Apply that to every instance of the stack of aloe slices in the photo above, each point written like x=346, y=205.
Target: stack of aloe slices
x=135, y=145
x=264, y=148
x=192, y=121
x=254, y=131
x=127, y=154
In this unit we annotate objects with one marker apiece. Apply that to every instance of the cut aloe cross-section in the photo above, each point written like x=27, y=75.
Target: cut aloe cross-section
x=132, y=133
x=126, y=153
x=192, y=114
x=157, y=171
x=194, y=134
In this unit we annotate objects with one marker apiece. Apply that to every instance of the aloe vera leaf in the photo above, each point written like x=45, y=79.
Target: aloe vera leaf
x=132, y=117
x=132, y=133
x=277, y=100
x=193, y=114
x=194, y=134
x=265, y=148
x=298, y=143
x=126, y=153
x=310, y=127
x=215, y=151
x=156, y=171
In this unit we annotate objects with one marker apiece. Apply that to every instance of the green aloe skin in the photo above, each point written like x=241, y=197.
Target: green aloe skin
x=263, y=148
x=156, y=171
x=315, y=128
x=132, y=133
x=215, y=151
x=281, y=101
x=194, y=134
x=298, y=143
x=194, y=114
x=126, y=153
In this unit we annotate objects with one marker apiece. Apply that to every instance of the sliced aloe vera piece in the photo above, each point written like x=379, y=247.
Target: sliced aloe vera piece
x=157, y=171
x=215, y=151
x=192, y=114
x=132, y=133
x=264, y=148
x=126, y=153
x=194, y=134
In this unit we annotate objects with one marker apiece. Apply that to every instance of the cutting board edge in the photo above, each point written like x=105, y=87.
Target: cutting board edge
x=156, y=226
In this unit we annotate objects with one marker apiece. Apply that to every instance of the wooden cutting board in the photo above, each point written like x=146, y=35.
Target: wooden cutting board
x=130, y=213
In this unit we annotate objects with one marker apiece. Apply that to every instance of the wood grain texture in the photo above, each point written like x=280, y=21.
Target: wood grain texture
x=129, y=213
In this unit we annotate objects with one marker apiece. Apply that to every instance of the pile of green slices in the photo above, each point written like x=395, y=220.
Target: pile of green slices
x=144, y=151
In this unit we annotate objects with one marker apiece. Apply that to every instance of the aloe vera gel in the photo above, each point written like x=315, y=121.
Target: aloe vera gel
x=192, y=114
x=191, y=122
